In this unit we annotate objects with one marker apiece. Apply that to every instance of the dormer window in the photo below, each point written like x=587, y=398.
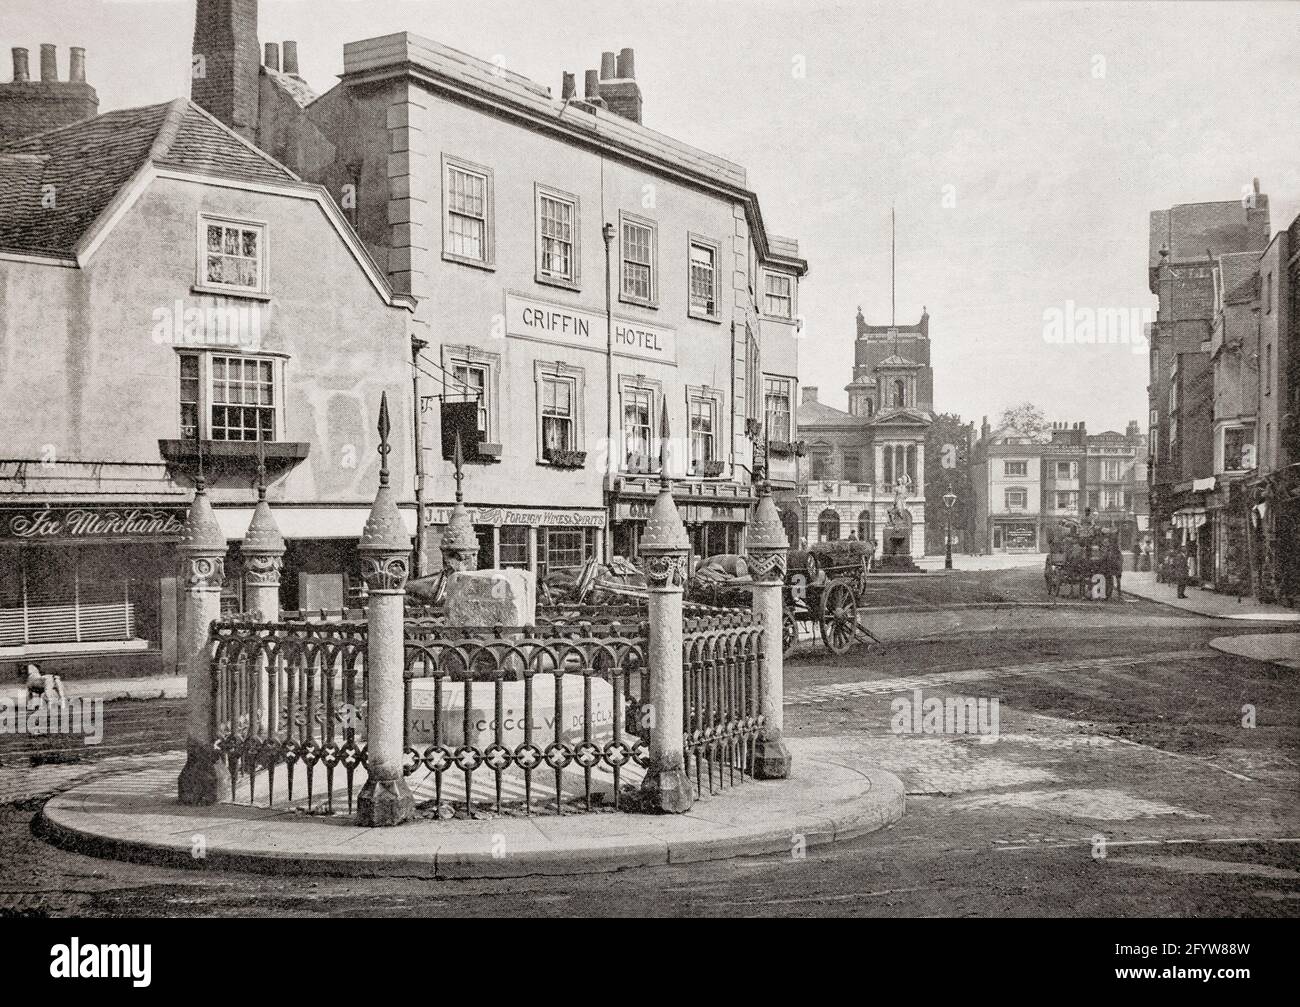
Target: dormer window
x=232, y=255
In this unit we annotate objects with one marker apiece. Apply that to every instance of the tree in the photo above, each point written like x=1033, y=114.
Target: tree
x=1029, y=420
x=947, y=468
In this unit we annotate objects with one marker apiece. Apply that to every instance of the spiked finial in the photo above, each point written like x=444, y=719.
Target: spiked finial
x=261, y=470
x=458, y=459
x=663, y=447
x=384, y=428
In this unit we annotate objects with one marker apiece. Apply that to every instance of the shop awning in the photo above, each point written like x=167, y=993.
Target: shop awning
x=307, y=522
x=1189, y=518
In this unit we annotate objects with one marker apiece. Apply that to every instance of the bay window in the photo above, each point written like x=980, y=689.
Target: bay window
x=229, y=398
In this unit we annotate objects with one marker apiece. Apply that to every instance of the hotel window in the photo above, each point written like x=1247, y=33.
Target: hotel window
x=703, y=417
x=232, y=255
x=1017, y=499
x=472, y=382
x=638, y=253
x=228, y=398
x=638, y=426
x=560, y=395
x=778, y=295
x=557, y=415
x=557, y=237
x=467, y=212
x=1015, y=469
x=776, y=408
x=513, y=545
x=703, y=279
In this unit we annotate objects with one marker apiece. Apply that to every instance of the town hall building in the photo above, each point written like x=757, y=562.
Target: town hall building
x=856, y=461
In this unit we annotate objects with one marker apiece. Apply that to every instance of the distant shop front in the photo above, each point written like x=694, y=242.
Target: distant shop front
x=1012, y=535
x=87, y=576
x=528, y=538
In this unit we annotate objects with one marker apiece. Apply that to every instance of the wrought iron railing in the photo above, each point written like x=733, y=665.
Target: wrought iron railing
x=289, y=696
x=552, y=717
x=564, y=698
x=721, y=662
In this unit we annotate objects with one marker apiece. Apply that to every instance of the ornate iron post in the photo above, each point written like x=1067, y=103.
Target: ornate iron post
x=767, y=564
x=664, y=548
x=385, y=550
x=459, y=541
x=263, y=553
x=200, y=572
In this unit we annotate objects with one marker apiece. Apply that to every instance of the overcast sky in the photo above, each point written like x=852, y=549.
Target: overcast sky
x=1051, y=128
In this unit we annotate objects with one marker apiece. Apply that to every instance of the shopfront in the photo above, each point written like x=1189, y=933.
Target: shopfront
x=87, y=577
x=1014, y=535
x=715, y=515
x=537, y=539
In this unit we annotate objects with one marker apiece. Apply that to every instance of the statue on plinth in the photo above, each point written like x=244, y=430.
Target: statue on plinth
x=896, y=550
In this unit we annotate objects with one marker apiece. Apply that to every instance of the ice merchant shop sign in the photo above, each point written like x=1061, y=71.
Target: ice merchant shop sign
x=42, y=524
x=529, y=318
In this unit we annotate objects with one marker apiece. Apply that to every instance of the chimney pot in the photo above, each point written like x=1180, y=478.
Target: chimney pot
x=568, y=86
x=77, y=64
x=21, y=74
x=291, y=58
x=1255, y=182
x=591, y=84
x=608, y=66
x=272, y=58
x=626, y=64
x=49, y=62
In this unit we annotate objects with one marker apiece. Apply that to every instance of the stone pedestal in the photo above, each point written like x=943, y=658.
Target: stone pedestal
x=491, y=598
x=385, y=799
x=768, y=547
x=385, y=550
x=200, y=572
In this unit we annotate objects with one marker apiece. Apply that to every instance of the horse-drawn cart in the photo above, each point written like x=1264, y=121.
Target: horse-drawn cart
x=823, y=585
x=1083, y=560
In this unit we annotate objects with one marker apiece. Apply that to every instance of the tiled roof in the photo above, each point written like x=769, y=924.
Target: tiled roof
x=818, y=414
x=55, y=185
x=295, y=87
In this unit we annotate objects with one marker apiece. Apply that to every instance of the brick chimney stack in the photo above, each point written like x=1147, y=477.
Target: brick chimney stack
x=291, y=58
x=227, y=62
x=618, y=87
x=28, y=107
x=271, y=59
x=49, y=62
x=809, y=394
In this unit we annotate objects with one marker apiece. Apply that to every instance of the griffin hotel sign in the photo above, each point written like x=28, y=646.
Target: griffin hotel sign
x=548, y=322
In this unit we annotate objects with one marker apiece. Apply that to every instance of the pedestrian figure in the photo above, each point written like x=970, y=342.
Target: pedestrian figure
x=1180, y=570
x=1112, y=565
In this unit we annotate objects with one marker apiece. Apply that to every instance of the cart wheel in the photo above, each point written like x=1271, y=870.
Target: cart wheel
x=789, y=633
x=839, y=617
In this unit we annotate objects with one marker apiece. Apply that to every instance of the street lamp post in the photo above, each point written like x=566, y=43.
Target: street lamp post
x=949, y=499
